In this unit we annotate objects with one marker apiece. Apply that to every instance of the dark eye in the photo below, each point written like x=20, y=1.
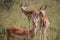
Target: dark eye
x=40, y=12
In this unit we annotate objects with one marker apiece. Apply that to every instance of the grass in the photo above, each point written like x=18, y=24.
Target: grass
x=15, y=16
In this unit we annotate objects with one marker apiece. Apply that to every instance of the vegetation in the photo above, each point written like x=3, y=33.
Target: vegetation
x=14, y=16
x=6, y=4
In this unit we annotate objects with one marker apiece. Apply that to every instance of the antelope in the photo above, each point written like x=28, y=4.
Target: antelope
x=44, y=22
x=31, y=14
x=28, y=33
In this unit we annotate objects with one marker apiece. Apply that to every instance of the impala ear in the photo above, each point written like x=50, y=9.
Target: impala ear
x=20, y=4
x=41, y=7
x=45, y=7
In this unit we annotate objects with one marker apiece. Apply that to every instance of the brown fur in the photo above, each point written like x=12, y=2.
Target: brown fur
x=20, y=31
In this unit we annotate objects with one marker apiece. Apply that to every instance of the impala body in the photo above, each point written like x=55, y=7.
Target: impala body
x=29, y=34
x=44, y=20
x=44, y=23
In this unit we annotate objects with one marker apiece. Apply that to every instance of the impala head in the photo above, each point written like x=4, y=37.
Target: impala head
x=42, y=10
x=35, y=21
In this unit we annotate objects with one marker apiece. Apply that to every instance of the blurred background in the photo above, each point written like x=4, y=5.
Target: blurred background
x=11, y=14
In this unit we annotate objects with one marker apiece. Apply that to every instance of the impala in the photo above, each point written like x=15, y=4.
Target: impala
x=31, y=14
x=44, y=23
x=29, y=34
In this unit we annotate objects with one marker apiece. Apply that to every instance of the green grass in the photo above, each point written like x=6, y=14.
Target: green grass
x=15, y=16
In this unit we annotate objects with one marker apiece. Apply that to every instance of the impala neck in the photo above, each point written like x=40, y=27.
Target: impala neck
x=33, y=30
